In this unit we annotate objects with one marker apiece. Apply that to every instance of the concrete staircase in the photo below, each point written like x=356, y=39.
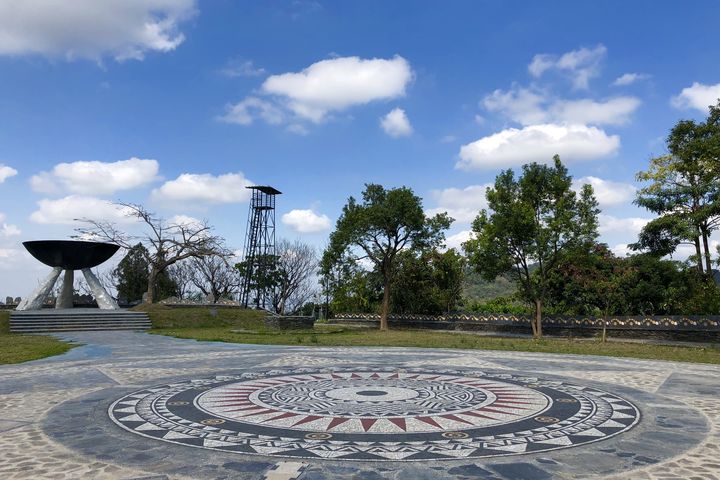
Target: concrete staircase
x=76, y=319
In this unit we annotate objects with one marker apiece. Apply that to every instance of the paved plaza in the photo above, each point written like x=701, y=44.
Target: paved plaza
x=132, y=405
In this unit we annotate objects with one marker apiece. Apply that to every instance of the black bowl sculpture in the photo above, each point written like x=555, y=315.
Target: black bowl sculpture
x=71, y=254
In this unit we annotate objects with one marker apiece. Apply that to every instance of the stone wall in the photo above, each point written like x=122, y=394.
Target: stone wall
x=674, y=327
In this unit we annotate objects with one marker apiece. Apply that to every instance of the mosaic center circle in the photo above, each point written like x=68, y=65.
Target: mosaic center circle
x=379, y=413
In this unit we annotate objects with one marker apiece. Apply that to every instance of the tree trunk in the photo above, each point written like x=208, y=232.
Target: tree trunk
x=385, y=305
x=537, y=331
x=534, y=326
x=699, y=254
x=706, y=244
x=152, y=279
x=604, y=330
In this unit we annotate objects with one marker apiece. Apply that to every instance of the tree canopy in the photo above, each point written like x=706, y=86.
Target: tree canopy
x=684, y=190
x=533, y=221
x=378, y=228
x=428, y=282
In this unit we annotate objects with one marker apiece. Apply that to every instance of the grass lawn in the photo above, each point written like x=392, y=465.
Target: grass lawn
x=342, y=336
x=22, y=348
x=164, y=317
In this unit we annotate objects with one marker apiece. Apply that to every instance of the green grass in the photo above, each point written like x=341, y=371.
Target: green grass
x=22, y=348
x=340, y=336
x=165, y=317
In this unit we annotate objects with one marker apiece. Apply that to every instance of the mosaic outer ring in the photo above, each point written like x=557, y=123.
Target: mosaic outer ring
x=525, y=414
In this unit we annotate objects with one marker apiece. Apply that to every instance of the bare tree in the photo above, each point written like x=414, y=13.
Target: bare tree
x=297, y=263
x=182, y=274
x=166, y=242
x=215, y=276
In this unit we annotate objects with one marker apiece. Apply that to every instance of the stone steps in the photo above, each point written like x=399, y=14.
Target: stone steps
x=43, y=321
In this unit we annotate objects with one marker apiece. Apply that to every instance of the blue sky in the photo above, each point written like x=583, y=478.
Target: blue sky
x=179, y=104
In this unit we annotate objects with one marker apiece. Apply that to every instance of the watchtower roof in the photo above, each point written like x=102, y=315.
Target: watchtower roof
x=266, y=189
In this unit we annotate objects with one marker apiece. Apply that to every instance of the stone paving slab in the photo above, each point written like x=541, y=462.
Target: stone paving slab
x=54, y=419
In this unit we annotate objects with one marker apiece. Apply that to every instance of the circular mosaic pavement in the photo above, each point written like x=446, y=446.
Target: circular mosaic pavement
x=380, y=413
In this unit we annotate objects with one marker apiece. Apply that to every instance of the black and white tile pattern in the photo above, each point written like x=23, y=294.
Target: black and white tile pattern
x=364, y=412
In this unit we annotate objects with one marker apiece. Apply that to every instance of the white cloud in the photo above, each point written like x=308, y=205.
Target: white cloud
x=621, y=250
x=6, y=229
x=6, y=172
x=338, y=83
x=529, y=107
x=91, y=29
x=630, y=226
x=581, y=64
x=607, y=192
x=519, y=104
x=298, y=129
x=247, y=110
x=205, y=188
x=9, y=230
x=455, y=241
x=629, y=79
x=96, y=178
x=241, y=68
x=615, y=111
x=396, y=123
x=306, y=221
x=537, y=143
x=698, y=96
x=462, y=204
x=8, y=253
x=185, y=220
x=69, y=209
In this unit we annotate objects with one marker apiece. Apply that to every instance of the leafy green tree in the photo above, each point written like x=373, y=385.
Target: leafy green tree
x=506, y=304
x=599, y=283
x=667, y=287
x=353, y=289
x=588, y=282
x=427, y=282
x=448, y=279
x=684, y=191
x=131, y=274
x=165, y=286
x=533, y=220
x=378, y=228
x=412, y=285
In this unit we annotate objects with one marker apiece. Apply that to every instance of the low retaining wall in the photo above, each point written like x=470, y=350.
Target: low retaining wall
x=669, y=327
x=201, y=305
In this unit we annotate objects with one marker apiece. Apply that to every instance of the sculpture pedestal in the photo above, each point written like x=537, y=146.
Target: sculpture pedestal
x=65, y=300
x=69, y=255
